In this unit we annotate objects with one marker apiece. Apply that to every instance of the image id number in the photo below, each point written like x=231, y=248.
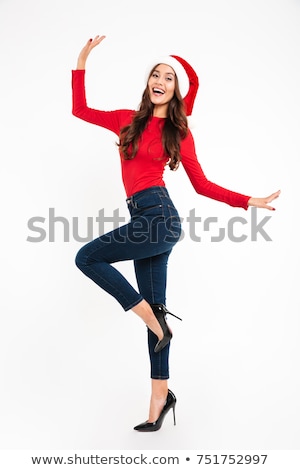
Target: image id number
x=231, y=459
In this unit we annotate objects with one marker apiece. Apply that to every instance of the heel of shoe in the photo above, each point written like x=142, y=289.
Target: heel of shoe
x=169, y=313
x=174, y=415
x=164, y=311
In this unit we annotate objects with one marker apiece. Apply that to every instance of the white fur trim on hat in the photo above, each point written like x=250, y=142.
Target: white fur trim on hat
x=181, y=74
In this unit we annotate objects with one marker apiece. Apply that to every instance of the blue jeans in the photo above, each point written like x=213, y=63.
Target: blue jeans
x=148, y=240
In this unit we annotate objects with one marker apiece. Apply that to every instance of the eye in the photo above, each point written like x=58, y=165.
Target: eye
x=169, y=79
x=155, y=74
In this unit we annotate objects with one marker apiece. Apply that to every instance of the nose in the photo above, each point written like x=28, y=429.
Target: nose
x=159, y=83
x=158, y=80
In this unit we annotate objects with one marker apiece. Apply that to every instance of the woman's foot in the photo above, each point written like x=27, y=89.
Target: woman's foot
x=145, y=312
x=156, y=405
x=150, y=426
x=160, y=312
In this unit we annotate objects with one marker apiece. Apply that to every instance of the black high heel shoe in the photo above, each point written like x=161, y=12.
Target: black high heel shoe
x=160, y=311
x=156, y=425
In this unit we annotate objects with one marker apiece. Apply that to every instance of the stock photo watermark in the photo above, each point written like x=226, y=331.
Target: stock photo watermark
x=59, y=228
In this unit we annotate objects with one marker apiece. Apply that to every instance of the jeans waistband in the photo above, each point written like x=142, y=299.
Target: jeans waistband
x=162, y=190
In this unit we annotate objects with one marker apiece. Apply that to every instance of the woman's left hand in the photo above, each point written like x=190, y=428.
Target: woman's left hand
x=263, y=202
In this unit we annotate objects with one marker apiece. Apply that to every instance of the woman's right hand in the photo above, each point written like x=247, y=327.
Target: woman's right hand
x=84, y=53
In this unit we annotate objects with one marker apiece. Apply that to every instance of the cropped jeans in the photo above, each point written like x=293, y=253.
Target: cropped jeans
x=148, y=239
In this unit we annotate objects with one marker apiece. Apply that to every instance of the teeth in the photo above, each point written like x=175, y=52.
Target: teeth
x=157, y=90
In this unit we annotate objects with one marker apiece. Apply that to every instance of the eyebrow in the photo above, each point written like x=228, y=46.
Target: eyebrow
x=167, y=73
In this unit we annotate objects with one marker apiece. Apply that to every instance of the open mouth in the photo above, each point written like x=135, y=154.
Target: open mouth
x=158, y=92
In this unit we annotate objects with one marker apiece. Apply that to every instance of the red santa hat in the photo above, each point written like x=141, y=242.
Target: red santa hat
x=187, y=78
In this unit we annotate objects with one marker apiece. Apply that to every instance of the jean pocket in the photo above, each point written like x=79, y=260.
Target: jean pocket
x=149, y=203
x=173, y=222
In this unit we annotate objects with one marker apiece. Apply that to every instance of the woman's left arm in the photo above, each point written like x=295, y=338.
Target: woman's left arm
x=263, y=202
x=209, y=189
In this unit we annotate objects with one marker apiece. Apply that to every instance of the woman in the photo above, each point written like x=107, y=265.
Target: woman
x=149, y=139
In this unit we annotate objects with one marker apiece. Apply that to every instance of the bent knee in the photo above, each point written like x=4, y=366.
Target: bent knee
x=81, y=258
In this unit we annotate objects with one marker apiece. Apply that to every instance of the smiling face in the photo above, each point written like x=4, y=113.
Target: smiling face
x=161, y=86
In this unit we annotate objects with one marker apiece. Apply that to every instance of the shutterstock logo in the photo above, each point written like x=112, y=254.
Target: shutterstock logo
x=54, y=228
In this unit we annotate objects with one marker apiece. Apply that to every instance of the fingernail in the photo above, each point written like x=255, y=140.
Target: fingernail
x=90, y=40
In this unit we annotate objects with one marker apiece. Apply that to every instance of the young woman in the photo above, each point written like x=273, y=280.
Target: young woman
x=151, y=138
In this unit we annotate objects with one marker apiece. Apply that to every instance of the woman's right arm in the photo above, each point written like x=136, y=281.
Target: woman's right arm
x=107, y=119
x=85, y=51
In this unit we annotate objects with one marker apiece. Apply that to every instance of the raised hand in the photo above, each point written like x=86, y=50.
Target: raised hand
x=263, y=202
x=85, y=51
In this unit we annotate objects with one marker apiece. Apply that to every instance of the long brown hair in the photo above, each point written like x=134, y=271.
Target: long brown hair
x=174, y=130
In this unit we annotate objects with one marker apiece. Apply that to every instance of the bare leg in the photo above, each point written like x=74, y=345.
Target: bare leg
x=158, y=398
x=145, y=312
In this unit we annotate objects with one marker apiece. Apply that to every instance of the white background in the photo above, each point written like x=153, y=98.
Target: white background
x=74, y=366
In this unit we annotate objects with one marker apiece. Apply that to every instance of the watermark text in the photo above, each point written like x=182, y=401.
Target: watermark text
x=54, y=227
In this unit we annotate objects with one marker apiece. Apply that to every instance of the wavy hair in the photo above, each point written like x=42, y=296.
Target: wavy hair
x=174, y=130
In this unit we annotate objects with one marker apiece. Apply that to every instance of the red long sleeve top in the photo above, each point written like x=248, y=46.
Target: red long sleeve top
x=147, y=167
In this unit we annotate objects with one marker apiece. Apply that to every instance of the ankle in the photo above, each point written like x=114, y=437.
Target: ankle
x=159, y=389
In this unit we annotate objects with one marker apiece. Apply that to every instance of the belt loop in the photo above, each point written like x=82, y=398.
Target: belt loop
x=130, y=201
